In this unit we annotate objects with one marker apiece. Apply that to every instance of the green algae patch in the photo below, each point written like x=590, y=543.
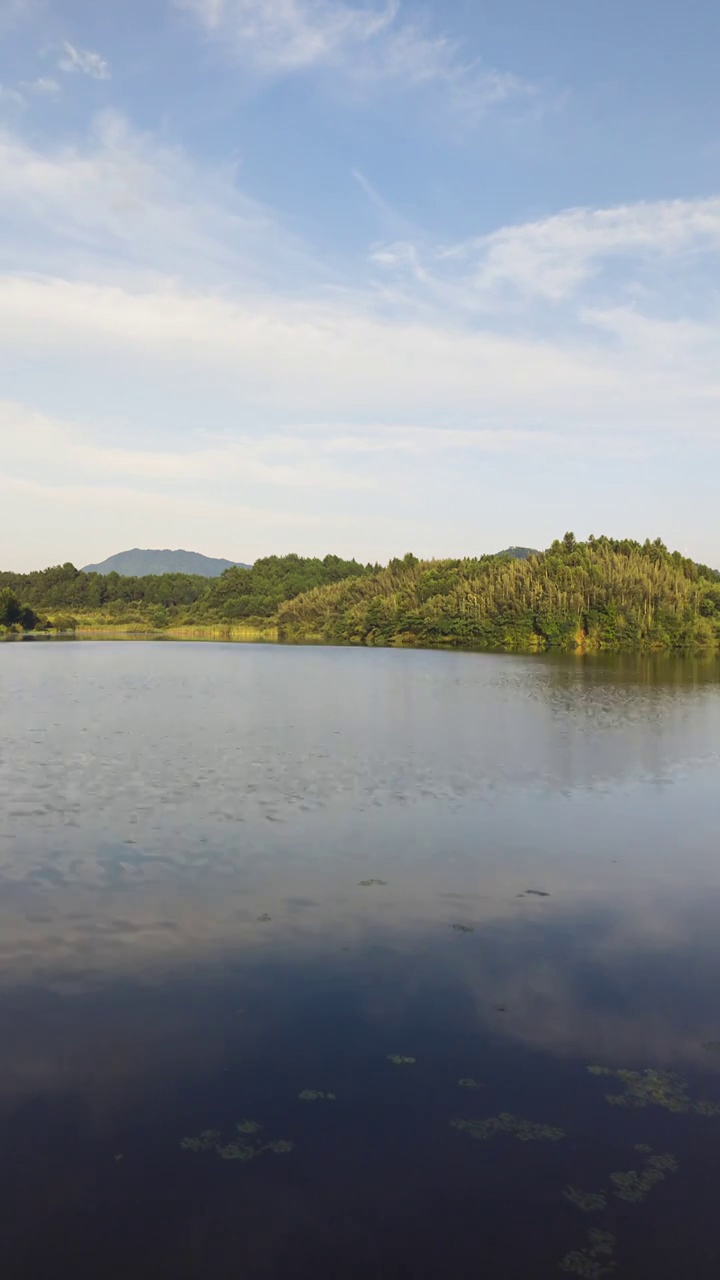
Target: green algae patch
x=398, y=1060
x=523, y=1130
x=586, y=1201
x=315, y=1095
x=651, y=1088
x=244, y=1147
x=595, y=1260
x=469, y=1083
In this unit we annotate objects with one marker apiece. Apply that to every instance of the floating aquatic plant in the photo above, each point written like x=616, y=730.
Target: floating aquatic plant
x=244, y=1148
x=399, y=1061
x=603, y=1242
x=264, y=918
x=315, y=1095
x=523, y=1130
x=665, y=1163
x=370, y=884
x=595, y=1260
x=586, y=1201
x=244, y=1151
x=707, y=1109
x=537, y=893
x=651, y=1088
x=633, y=1185
x=205, y=1141
x=469, y=1083
x=462, y=928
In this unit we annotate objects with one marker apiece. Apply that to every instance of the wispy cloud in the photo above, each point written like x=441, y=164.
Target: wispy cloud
x=624, y=250
x=370, y=45
x=11, y=96
x=237, y=365
x=122, y=198
x=85, y=61
x=14, y=11
x=43, y=86
x=160, y=256
x=286, y=35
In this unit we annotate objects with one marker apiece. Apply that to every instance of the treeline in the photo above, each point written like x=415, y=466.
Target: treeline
x=66, y=594
x=603, y=594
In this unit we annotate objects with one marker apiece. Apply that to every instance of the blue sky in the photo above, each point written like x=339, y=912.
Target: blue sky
x=325, y=275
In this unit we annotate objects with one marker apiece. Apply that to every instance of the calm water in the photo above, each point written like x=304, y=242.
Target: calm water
x=161, y=800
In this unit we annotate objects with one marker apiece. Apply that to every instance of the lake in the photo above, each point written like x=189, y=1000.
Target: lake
x=305, y=955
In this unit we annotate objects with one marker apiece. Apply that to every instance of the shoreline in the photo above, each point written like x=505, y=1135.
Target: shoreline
x=272, y=634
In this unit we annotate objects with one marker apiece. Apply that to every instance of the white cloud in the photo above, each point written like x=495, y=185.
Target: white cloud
x=84, y=61
x=369, y=44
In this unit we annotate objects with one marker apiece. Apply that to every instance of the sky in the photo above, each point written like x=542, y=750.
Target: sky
x=357, y=276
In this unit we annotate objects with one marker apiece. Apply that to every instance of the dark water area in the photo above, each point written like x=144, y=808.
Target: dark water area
x=187, y=945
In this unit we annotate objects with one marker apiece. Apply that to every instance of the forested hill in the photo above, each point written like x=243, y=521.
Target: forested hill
x=140, y=564
x=519, y=553
x=601, y=594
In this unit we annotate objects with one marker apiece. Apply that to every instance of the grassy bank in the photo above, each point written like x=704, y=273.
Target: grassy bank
x=89, y=627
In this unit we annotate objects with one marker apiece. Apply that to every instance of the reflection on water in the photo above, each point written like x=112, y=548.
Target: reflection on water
x=351, y=908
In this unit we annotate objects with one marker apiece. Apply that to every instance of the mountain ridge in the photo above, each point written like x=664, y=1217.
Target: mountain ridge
x=145, y=562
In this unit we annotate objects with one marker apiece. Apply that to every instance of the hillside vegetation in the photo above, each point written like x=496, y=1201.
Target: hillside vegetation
x=598, y=595
x=602, y=594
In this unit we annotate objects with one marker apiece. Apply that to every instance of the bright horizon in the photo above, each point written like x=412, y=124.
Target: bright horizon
x=357, y=277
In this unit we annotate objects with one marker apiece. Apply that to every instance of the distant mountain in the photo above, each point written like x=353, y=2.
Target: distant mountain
x=519, y=553
x=142, y=564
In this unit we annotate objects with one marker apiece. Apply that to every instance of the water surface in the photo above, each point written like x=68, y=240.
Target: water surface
x=546, y=837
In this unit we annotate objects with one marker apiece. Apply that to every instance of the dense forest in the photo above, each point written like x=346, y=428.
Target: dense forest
x=67, y=595
x=602, y=594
